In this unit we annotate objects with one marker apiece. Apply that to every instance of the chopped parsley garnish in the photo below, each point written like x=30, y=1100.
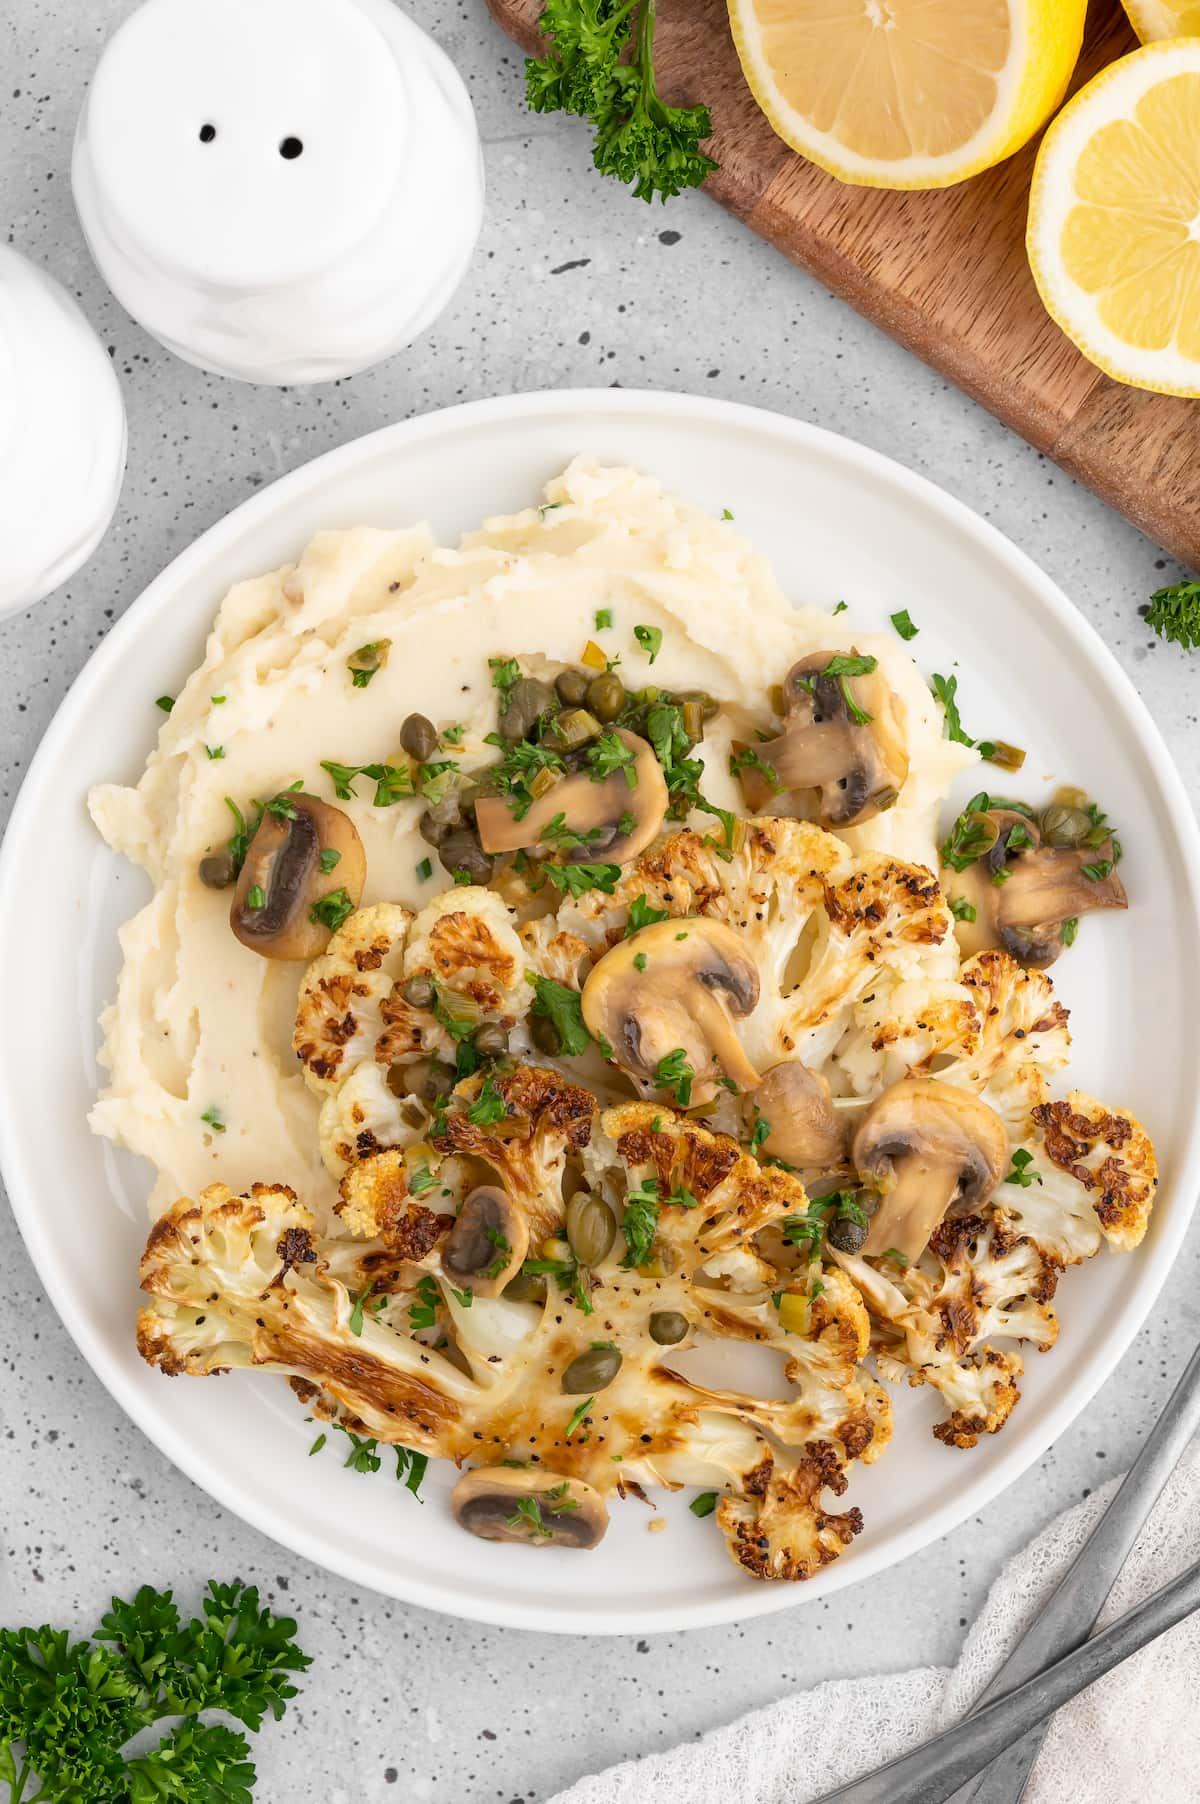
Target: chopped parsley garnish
x=256, y=898
x=578, y=1415
x=214, y=1119
x=329, y=857
x=356, y=1314
x=682, y=1197
x=639, y=961
x=464, y=1298
x=840, y=609
x=332, y=909
x=368, y=661
x=488, y=1107
x=560, y=1498
x=992, y=751
x=166, y=703
x=513, y=776
x=503, y=1252
x=528, y=1516
x=425, y=869
x=1068, y=930
x=725, y=514
x=239, y=840
x=558, y=1003
x=578, y=879
x=1173, y=613
x=807, y=1231
x=961, y=909
x=1021, y=1173
x=750, y=759
x=611, y=753
x=393, y=783
x=215, y=751
x=421, y=1179
x=650, y=640
x=317, y=1444
x=603, y=618
x=642, y=915
x=505, y=672
x=761, y=1134
x=673, y=1072
x=897, y=1257
x=423, y=1312
x=903, y=624
x=565, y=839
x=970, y=836
x=1099, y=871
x=841, y=668
x=704, y=1505
x=640, y=1223
x=218, y=699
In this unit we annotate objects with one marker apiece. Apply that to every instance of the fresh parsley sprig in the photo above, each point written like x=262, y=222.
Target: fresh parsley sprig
x=68, y=1709
x=600, y=66
x=1174, y=614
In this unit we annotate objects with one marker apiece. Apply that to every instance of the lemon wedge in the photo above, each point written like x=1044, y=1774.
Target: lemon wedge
x=1153, y=19
x=907, y=93
x=1114, y=219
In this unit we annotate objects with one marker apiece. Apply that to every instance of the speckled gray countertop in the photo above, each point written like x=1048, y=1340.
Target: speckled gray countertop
x=574, y=283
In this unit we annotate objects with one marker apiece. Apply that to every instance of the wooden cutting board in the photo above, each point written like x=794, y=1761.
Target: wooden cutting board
x=943, y=272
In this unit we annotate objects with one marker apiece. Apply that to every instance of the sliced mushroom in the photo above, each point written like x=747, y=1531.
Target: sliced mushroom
x=594, y=810
x=487, y=1244
x=676, y=986
x=806, y=1129
x=841, y=757
x=929, y=1147
x=282, y=879
x=539, y=1509
x=1023, y=891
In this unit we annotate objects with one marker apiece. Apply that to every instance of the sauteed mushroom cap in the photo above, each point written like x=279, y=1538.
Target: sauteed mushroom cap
x=539, y=1509
x=616, y=817
x=290, y=869
x=929, y=1147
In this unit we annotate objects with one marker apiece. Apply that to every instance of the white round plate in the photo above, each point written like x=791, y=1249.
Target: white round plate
x=838, y=522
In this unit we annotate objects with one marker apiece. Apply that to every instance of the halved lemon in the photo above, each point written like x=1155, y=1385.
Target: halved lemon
x=1114, y=218
x=907, y=93
x=1153, y=19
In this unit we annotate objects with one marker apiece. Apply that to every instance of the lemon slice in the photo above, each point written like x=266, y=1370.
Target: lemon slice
x=1114, y=219
x=907, y=93
x=1153, y=19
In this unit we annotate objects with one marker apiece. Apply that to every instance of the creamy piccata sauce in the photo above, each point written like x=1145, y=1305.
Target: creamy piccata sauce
x=201, y=1025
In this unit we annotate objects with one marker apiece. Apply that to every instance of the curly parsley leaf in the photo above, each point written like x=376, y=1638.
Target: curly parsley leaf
x=1173, y=613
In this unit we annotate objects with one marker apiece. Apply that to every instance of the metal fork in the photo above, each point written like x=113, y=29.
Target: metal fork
x=987, y=1758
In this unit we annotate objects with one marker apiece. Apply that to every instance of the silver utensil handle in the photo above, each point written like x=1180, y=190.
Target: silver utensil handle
x=1070, y=1613
x=932, y=1771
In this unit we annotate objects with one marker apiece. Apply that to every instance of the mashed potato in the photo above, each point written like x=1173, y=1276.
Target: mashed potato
x=203, y=1079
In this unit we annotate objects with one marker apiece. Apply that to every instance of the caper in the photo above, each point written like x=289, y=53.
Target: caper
x=525, y=1288
x=527, y=701
x=668, y=1327
x=572, y=686
x=545, y=1035
x=1063, y=825
x=591, y=1227
x=846, y=1235
x=218, y=870
x=461, y=851
x=490, y=1040
x=606, y=696
x=419, y=991
x=592, y=1371
x=426, y=1078
x=433, y=831
x=419, y=737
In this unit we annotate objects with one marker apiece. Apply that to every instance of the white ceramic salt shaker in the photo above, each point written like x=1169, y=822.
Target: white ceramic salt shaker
x=279, y=190
x=62, y=434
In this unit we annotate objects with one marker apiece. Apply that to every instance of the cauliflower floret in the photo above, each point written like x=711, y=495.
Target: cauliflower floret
x=364, y=1114
x=466, y=940
x=338, y=1016
x=782, y=1531
x=245, y=1281
x=899, y=1028
x=1108, y=1153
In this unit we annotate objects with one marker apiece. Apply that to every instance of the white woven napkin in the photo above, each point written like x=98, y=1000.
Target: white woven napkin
x=1133, y=1736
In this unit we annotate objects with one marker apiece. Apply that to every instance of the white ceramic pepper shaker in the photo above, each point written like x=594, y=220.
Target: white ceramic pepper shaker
x=62, y=435
x=279, y=190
